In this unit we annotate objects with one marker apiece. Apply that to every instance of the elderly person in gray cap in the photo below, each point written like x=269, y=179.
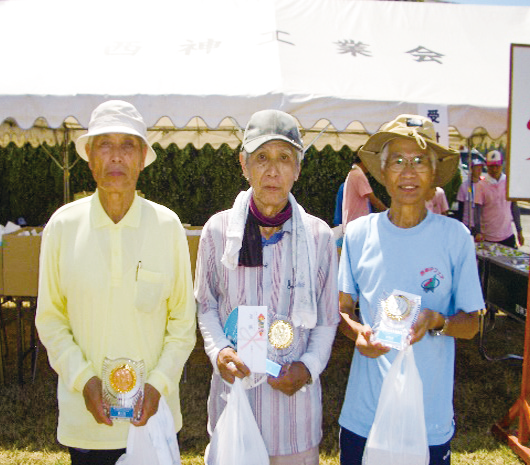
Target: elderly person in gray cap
x=267, y=251
x=115, y=282
x=413, y=251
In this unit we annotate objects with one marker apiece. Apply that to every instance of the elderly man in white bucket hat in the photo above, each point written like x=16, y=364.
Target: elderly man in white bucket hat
x=115, y=284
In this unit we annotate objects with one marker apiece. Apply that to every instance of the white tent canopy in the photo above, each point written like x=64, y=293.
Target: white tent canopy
x=197, y=70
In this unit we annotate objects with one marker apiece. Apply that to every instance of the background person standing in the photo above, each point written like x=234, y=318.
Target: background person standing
x=470, y=196
x=358, y=194
x=437, y=201
x=497, y=211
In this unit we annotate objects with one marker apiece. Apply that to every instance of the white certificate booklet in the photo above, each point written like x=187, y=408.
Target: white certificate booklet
x=252, y=330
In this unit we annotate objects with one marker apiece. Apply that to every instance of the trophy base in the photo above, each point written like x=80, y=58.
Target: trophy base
x=121, y=413
x=392, y=339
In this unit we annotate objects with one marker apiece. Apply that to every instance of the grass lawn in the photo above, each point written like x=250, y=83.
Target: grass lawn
x=484, y=391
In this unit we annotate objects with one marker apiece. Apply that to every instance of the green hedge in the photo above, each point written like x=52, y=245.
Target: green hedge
x=194, y=183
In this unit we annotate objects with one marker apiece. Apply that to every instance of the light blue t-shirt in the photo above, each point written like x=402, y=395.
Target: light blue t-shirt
x=435, y=260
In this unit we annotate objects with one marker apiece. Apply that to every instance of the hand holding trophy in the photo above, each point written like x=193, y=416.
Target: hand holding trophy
x=123, y=387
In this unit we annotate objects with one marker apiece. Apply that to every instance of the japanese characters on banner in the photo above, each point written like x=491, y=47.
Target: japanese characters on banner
x=518, y=154
x=438, y=115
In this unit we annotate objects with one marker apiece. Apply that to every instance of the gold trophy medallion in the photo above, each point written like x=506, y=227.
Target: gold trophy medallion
x=398, y=307
x=281, y=334
x=123, y=378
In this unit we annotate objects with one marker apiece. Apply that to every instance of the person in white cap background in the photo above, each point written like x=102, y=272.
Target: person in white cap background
x=115, y=281
x=412, y=250
x=267, y=251
x=470, y=195
x=498, y=212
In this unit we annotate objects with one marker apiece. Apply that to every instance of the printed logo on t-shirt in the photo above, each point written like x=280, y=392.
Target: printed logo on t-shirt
x=433, y=278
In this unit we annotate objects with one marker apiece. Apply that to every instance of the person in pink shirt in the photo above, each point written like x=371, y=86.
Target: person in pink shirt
x=437, y=202
x=358, y=195
x=497, y=211
x=471, y=196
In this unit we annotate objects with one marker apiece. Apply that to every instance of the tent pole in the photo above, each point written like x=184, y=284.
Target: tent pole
x=316, y=138
x=66, y=168
x=471, y=187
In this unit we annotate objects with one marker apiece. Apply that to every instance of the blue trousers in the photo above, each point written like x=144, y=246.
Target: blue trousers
x=352, y=448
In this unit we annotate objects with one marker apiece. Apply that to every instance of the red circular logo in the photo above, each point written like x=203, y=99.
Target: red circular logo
x=528, y=124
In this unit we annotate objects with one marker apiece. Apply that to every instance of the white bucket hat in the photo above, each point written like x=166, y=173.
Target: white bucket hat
x=115, y=116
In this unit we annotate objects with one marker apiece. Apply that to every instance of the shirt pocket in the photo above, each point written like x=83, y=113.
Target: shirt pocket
x=151, y=290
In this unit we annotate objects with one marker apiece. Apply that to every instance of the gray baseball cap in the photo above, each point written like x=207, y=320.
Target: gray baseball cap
x=267, y=125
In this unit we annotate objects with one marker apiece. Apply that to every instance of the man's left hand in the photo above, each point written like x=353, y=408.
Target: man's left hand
x=427, y=319
x=149, y=406
x=520, y=238
x=292, y=378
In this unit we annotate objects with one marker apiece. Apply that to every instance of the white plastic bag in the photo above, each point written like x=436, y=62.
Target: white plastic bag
x=155, y=443
x=398, y=435
x=236, y=439
x=140, y=449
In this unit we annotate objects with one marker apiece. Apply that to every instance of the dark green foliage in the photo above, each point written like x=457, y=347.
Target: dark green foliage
x=31, y=184
x=451, y=188
x=194, y=183
x=321, y=175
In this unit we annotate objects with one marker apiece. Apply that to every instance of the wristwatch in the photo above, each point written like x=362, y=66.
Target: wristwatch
x=440, y=332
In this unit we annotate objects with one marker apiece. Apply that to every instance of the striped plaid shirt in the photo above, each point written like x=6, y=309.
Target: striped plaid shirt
x=289, y=425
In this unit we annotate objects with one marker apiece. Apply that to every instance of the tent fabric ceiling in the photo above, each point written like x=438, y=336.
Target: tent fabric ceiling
x=354, y=64
x=197, y=133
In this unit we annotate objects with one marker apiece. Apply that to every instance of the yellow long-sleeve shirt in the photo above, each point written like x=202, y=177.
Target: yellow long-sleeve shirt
x=113, y=290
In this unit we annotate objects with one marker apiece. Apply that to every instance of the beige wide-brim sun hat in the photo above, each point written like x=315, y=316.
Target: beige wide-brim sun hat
x=115, y=116
x=413, y=127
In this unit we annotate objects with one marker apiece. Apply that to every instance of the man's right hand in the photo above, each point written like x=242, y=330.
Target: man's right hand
x=368, y=348
x=230, y=365
x=93, y=394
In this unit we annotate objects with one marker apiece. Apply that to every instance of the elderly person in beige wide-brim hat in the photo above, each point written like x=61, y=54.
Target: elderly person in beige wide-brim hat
x=413, y=127
x=406, y=250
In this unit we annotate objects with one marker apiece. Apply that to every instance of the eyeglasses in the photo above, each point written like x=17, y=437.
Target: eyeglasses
x=420, y=164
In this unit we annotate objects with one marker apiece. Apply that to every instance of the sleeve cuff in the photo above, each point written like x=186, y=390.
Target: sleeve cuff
x=312, y=364
x=215, y=353
x=160, y=382
x=83, y=377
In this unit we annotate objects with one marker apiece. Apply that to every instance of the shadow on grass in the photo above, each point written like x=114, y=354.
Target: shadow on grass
x=485, y=390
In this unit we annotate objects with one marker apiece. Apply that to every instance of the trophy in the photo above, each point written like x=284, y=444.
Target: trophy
x=396, y=314
x=123, y=386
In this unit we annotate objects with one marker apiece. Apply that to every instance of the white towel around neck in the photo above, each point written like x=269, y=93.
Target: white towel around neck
x=304, y=256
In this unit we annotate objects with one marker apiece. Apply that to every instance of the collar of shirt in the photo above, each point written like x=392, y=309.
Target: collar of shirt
x=277, y=236
x=492, y=180
x=100, y=219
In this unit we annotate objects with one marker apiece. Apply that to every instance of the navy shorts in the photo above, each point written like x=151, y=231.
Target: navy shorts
x=352, y=448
